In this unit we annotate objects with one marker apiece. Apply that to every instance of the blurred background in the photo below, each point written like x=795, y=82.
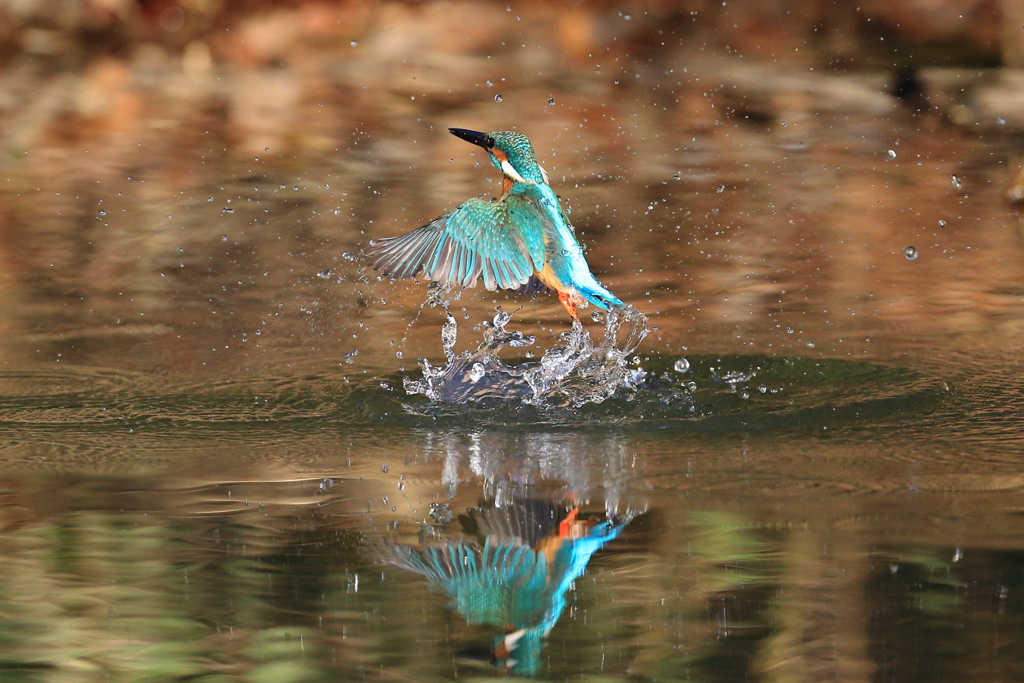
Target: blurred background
x=162, y=161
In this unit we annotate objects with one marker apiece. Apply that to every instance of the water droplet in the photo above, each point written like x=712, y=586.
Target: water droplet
x=763, y=389
x=476, y=373
x=398, y=355
x=209, y=199
x=223, y=238
x=102, y=212
x=910, y=253
x=956, y=182
x=227, y=209
x=721, y=189
x=1001, y=121
x=942, y=223
x=353, y=43
x=681, y=365
x=349, y=257
x=386, y=387
x=551, y=101
x=383, y=468
x=677, y=176
x=789, y=330
x=497, y=98
x=324, y=274
x=890, y=155
x=449, y=333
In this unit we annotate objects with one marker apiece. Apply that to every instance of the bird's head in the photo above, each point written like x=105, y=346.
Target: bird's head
x=510, y=152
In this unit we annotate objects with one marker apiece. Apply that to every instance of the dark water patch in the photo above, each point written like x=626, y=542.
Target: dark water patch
x=713, y=394
x=721, y=394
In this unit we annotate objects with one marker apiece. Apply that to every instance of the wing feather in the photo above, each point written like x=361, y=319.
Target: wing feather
x=477, y=241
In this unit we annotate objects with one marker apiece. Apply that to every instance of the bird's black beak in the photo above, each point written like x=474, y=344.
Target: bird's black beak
x=482, y=139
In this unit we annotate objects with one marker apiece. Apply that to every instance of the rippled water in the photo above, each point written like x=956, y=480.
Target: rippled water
x=797, y=458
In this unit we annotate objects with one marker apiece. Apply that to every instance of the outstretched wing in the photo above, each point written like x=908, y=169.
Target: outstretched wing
x=485, y=584
x=478, y=240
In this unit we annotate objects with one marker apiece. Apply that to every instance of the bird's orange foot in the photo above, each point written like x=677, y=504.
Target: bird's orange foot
x=570, y=302
x=565, y=526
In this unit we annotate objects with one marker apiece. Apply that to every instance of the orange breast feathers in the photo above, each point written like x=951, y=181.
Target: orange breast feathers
x=506, y=182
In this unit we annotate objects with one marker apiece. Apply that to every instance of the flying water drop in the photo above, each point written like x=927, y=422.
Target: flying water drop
x=497, y=98
x=910, y=253
x=681, y=365
x=890, y=155
x=957, y=183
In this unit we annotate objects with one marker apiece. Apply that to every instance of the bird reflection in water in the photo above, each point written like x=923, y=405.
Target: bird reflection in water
x=514, y=570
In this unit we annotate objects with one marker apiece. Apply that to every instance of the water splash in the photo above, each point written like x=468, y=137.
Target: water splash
x=575, y=373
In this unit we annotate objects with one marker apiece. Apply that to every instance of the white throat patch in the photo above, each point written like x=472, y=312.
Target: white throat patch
x=512, y=173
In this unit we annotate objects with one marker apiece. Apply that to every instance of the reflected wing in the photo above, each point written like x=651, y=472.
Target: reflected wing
x=525, y=522
x=478, y=240
x=486, y=584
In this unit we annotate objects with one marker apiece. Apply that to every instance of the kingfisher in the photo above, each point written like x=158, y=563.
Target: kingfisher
x=515, y=572
x=522, y=241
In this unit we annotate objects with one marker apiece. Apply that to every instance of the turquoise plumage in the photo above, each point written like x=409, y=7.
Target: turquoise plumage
x=514, y=575
x=523, y=241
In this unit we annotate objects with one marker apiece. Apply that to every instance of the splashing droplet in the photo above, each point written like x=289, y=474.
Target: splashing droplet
x=957, y=183
x=573, y=374
x=890, y=155
x=497, y=98
x=681, y=365
x=910, y=253
x=942, y=223
x=551, y=101
x=721, y=189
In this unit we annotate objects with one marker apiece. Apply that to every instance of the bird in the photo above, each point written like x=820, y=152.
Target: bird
x=522, y=241
x=514, y=573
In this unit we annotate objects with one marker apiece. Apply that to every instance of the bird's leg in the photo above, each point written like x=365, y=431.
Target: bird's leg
x=565, y=526
x=569, y=301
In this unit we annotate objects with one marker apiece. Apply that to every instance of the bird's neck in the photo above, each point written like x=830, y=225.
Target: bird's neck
x=513, y=187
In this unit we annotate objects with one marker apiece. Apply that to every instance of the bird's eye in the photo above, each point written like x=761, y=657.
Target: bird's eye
x=490, y=142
